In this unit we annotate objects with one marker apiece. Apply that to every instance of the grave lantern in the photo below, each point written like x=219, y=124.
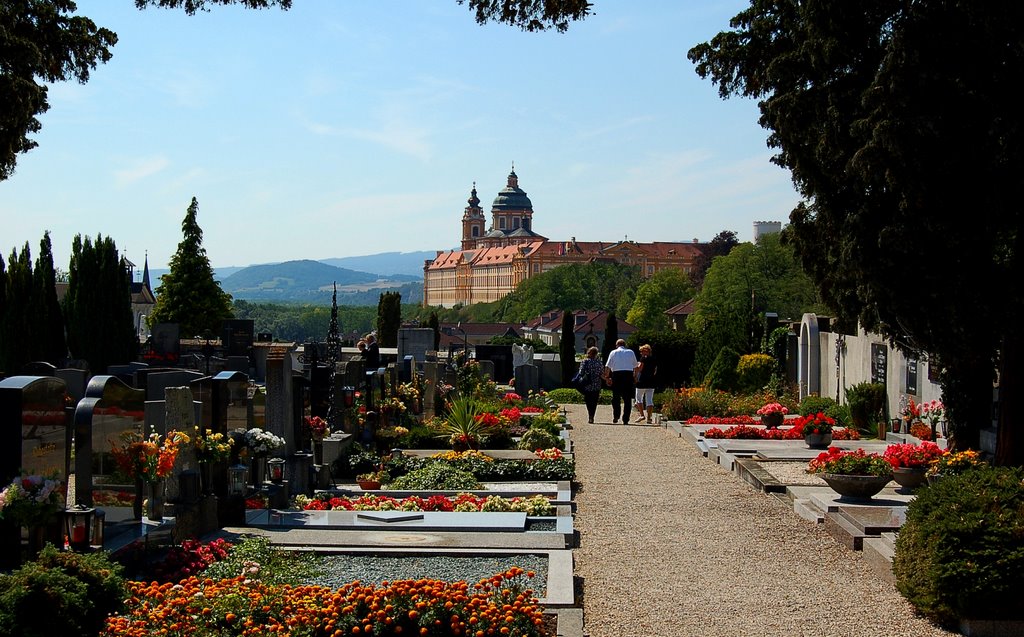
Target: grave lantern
x=348, y=395
x=237, y=475
x=276, y=468
x=78, y=526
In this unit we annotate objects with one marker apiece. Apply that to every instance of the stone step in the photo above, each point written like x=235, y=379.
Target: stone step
x=878, y=553
x=808, y=510
x=844, y=531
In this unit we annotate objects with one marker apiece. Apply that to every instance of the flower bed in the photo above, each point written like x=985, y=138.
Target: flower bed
x=913, y=456
x=464, y=502
x=743, y=432
x=243, y=606
x=721, y=420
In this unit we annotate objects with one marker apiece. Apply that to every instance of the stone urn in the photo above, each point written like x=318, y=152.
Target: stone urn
x=909, y=478
x=818, y=441
x=852, y=487
x=773, y=420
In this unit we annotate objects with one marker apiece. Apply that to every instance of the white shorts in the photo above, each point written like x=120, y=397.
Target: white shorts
x=645, y=397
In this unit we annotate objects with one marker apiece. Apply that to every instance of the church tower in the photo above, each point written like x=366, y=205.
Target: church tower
x=472, y=221
x=512, y=210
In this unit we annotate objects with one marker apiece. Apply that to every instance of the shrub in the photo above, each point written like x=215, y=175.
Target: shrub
x=722, y=374
x=697, y=401
x=566, y=395
x=960, y=553
x=441, y=476
x=537, y=438
x=867, y=402
x=812, y=404
x=754, y=371
x=66, y=594
x=257, y=559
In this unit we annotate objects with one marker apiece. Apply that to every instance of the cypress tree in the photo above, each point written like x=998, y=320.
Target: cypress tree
x=188, y=295
x=49, y=342
x=16, y=332
x=434, y=324
x=97, y=306
x=567, y=348
x=389, y=318
x=3, y=313
x=611, y=334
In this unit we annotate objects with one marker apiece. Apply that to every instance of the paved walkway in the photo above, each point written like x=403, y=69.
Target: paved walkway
x=673, y=545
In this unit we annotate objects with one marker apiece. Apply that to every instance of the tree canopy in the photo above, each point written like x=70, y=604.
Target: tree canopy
x=899, y=125
x=594, y=286
x=661, y=291
x=188, y=294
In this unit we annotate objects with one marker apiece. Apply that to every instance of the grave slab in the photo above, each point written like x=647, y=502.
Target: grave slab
x=420, y=520
x=874, y=520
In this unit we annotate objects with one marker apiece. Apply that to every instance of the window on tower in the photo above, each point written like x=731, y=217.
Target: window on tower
x=476, y=231
x=501, y=223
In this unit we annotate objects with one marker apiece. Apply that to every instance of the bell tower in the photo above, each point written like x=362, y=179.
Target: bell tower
x=472, y=221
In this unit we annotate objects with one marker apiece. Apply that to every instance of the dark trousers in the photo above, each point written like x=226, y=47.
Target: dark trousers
x=590, y=399
x=623, y=394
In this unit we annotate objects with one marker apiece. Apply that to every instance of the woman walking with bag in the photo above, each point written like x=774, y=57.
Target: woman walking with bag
x=646, y=369
x=588, y=381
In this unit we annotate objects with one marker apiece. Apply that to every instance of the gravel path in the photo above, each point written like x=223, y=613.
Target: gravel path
x=672, y=544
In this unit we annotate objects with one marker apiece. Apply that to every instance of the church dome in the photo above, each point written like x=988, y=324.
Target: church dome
x=512, y=197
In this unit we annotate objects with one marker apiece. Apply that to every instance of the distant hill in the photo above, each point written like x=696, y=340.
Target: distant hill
x=360, y=279
x=313, y=282
x=386, y=263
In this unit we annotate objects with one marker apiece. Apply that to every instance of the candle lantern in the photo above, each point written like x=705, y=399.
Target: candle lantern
x=237, y=475
x=78, y=527
x=348, y=395
x=276, y=468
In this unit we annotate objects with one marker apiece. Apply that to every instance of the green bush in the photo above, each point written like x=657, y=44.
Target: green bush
x=441, y=476
x=960, y=553
x=696, y=401
x=61, y=593
x=867, y=402
x=529, y=470
x=538, y=438
x=813, y=403
x=566, y=395
x=722, y=374
x=754, y=372
x=258, y=559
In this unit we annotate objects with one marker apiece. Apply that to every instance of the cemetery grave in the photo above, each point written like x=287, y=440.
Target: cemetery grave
x=277, y=462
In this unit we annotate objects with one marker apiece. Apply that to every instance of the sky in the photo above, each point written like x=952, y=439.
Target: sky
x=352, y=128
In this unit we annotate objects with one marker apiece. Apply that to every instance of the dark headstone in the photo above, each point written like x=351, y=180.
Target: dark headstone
x=237, y=336
x=165, y=345
x=501, y=356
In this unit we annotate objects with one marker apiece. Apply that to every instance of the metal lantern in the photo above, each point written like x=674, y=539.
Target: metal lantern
x=276, y=468
x=78, y=527
x=237, y=475
x=348, y=395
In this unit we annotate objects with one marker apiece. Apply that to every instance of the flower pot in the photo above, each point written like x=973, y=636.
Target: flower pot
x=852, y=487
x=318, y=452
x=258, y=471
x=773, y=420
x=818, y=441
x=909, y=478
x=156, y=501
x=368, y=485
x=206, y=477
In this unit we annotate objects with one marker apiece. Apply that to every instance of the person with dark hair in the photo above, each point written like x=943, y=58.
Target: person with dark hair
x=591, y=377
x=619, y=369
x=372, y=353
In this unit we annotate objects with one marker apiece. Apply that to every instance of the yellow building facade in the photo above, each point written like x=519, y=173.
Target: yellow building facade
x=494, y=259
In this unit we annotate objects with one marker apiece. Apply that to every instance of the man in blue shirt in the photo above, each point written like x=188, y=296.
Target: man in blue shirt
x=619, y=367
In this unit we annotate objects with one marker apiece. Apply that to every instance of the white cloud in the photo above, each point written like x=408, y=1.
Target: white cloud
x=139, y=169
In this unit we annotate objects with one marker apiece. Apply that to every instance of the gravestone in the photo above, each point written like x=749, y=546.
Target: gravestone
x=157, y=382
x=76, y=380
x=486, y=370
x=527, y=380
x=34, y=439
x=39, y=368
x=407, y=369
x=165, y=344
x=180, y=415
x=237, y=337
x=432, y=375
x=415, y=342
x=500, y=357
x=110, y=408
x=521, y=355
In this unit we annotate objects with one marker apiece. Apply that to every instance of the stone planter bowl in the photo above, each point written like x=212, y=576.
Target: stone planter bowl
x=855, y=487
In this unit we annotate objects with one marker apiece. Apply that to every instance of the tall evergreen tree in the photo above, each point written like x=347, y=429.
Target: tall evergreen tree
x=49, y=343
x=567, y=347
x=3, y=314
x=389, y=318
x=611, y=334
x=16, y=331
x=98, y=305
x=435, y=325
x=188, y=295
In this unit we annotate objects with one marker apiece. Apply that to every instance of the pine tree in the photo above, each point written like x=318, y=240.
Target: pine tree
x=3, y=314
x=188, y=295
x=567, y=348
x=49, y=343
